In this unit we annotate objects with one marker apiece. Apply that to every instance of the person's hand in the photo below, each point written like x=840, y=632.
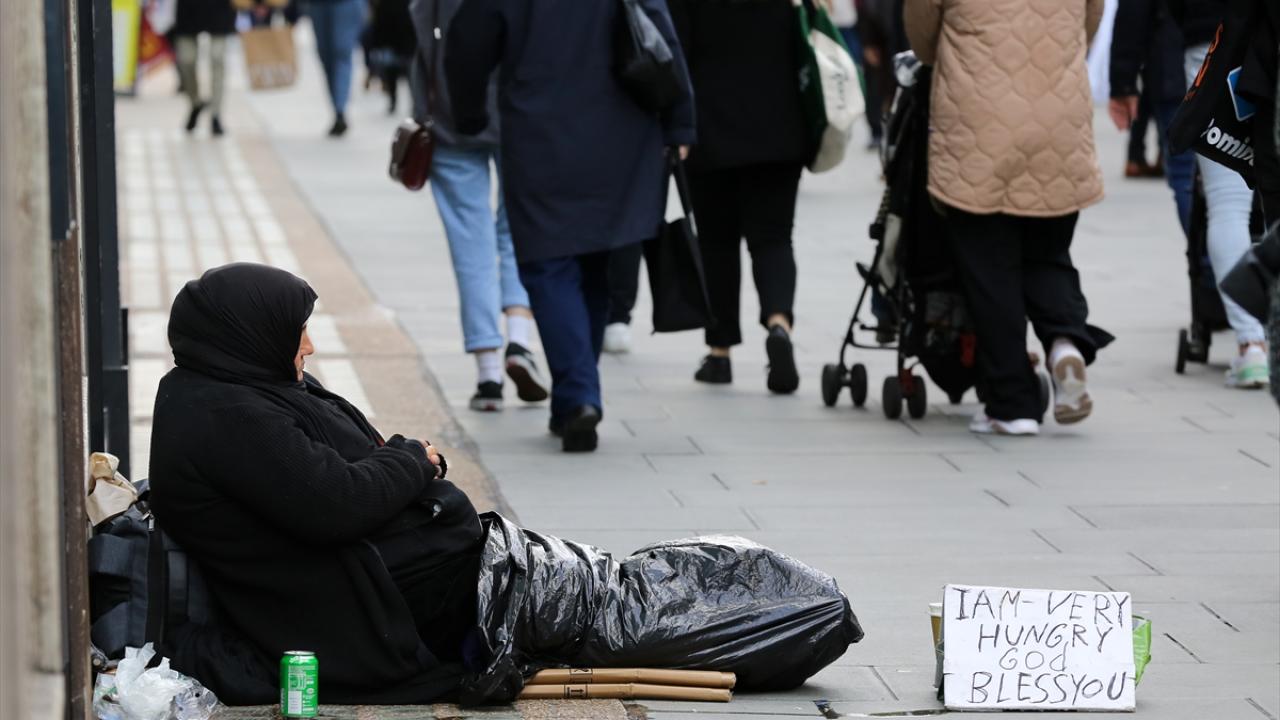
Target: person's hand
x=684, y=152
x=871, y=55
x=433, y=455
x=1123, y=110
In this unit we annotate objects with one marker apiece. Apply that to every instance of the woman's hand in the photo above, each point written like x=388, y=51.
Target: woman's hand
x=432, y=454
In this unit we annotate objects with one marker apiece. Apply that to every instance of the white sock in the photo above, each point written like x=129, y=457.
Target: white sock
x=488, y=366
x=518, y=327
x=1061, y=348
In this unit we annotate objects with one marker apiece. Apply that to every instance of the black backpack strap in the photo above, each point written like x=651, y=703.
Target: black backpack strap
x=150, y=606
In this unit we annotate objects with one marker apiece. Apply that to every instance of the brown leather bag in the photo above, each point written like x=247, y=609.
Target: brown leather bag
x=411, y=150
x=413, y=145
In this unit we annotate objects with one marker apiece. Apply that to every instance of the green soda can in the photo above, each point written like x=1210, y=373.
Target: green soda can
x=299, y=684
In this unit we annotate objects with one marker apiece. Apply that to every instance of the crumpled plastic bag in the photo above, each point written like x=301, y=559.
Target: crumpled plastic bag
x=110, y=493
x=710, y=603
x=136, y=692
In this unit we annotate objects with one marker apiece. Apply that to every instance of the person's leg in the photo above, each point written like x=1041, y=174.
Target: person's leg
x=321, y=15
x=595, y=291
x=987, y=250
x=1179, y=168
x=1059, y=313
x=565, y=321
x=218, y=77
x=767, y=208
x=1137, y=153
x=186, y=49
x=349, y=21
x=624, y=281
x=715, y=205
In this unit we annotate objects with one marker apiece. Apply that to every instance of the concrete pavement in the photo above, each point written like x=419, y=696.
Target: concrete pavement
x=1170, y=491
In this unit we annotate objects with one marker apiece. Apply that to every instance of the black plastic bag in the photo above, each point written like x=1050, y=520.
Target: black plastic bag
x=711, y=603
x=677, y=282
x=643, y=61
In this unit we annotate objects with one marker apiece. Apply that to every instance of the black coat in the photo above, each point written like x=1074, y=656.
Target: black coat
x=193, y=17
x=1198, y=19
x=280, y=491
x=743, y=57
x=1147, y=43
x=582, y=164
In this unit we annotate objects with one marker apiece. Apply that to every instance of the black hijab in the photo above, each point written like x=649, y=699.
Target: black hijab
x=242, y=323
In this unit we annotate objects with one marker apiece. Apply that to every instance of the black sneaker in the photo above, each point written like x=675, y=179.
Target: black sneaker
x=577, y=431
x=488, y=397
x=715, y=371
x=531, y=386
x=783, y=378
x=339, y=127
x=215, y=126
x=194, y=117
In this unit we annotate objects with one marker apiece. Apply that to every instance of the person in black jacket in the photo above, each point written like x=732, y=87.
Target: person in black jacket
x=583, y=168
x=1147, y=44
x=313, y=531
x=745, y=171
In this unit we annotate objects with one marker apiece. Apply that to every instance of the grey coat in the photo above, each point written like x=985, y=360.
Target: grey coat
x=428, y=62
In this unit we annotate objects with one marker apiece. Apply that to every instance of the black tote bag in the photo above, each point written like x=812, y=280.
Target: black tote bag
x=676, y=278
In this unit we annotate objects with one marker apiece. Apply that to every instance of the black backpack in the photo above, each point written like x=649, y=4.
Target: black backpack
x=140, y=582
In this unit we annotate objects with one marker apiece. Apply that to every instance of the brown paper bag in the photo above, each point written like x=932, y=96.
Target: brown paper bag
x=651, y=676
x=625, y=691
x=270, y=57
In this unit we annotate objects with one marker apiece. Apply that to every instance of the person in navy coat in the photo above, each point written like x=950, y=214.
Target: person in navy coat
x=583, y=167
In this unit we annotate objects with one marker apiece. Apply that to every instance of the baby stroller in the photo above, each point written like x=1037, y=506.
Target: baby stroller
x=914, y=294
x=1207, y=313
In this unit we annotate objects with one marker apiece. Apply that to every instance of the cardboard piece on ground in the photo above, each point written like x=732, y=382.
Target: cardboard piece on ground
x=1025, y=649
x=681, y=678
x=625, y=691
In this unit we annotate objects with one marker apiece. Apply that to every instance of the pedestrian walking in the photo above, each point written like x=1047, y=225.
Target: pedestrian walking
x=745, y=171
x=1012, y=162
x=1229, y=205
x=392, y=43
x=337, y=25
x=193, y=18
x=880, y=37
x=583, y=168
x=484, y=261
x=1146, y=65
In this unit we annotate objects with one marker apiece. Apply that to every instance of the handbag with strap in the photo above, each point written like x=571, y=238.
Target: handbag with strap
x=643, y=61
x=829, y=88
x=413, y=145
x=676, y=277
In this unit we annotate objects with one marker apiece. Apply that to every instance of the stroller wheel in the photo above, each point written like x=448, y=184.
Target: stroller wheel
x=918, y=400
x=831, y=384
x=1046, y=396
x=891, y=397
x=1184, y=350
x=858, y=384
x=955, y=398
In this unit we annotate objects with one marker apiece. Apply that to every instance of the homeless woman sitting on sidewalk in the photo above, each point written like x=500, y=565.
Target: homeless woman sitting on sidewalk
x=314, y=533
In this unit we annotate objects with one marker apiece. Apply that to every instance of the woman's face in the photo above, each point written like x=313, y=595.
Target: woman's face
x=305, y=348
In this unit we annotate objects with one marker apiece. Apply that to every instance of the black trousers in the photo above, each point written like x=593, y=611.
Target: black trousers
x=624, y=281
x=1014, y=268
x=758, y=203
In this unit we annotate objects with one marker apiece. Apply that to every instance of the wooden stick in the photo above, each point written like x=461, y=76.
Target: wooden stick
x=625, y=691
x=651, y=676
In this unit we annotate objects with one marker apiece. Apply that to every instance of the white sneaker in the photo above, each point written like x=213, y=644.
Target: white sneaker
x=1071, y=401
x=1250, y=370
x=617, y=338
x=983, y=425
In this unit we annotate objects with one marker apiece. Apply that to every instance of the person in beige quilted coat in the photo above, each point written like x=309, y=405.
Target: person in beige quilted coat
x=1011, y=164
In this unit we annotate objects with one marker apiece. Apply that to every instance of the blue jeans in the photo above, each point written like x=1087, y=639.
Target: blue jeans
x=1179, y=168
x=337, y=25
x=571, y=304
x=484, y=262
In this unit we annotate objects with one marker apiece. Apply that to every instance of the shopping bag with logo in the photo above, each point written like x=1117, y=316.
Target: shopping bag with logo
x=1216, y=117
x=269, y=56
x=828, y=86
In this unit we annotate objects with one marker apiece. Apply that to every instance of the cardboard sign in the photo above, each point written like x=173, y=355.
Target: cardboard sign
x=1019, y=649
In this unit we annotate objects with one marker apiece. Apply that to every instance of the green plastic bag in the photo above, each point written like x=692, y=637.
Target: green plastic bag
x=1141, y=646
x=829, y=86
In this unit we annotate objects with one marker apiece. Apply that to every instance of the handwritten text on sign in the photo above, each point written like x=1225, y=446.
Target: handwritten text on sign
x=1008, y=648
